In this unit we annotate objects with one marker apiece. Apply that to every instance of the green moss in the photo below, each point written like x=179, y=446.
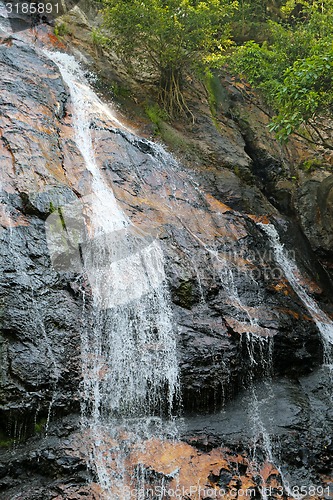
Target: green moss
x=185, y=295
x=211, y=87
x=40, y=425
x=237, y=171
x=5, y=440
x=165, y=131
x=52, y=208
x=215, y=92
x=173, y=138
x=61, y=29
x=6, y=443
x=120, y=91
x=62, y=220
x=311, y=165
x=156, y=115
x=98, y=38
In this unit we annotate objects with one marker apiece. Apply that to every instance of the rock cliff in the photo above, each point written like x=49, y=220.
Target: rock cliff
x=240, y=323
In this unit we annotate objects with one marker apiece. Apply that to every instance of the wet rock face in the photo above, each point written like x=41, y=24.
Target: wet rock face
x=297, y=417
x=236, y=316
x=221, y=271
x=296, y=179
x=46, y=467
x=40, y=331
x=40, y=310
x=314, y=205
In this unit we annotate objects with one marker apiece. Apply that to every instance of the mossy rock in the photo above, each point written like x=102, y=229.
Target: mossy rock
x=185, y=294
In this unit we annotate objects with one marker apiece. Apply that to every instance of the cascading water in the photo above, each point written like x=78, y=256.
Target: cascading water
x=322, y=321
x=4, y=22
x=259, y=344
x=129, y=358
x=130, y=373
x=260, y=358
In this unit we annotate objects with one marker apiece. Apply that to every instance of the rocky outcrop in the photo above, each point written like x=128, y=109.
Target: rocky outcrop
x=237, y=317
x=314, y=205
x=230, y=132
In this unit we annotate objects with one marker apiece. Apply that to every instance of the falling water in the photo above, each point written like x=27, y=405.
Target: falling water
x=322, y=321
x=259, y=347
x=129, y=350
x=4, y=22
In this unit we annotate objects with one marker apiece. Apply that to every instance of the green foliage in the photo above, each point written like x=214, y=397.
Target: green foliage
x=156, y=115
x=306, y=92
x=311, y=164
x=61, y=29
x=251, y=17
x=40, y=426
x=294, y=68
x=167, y=38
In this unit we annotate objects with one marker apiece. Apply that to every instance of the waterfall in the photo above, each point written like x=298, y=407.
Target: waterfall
x=129, y=361
x=4, y=21
x=322, y=321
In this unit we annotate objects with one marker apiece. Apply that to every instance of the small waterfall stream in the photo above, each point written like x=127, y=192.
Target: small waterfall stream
x=322, y=321
x=129, y=360
x=128, y=346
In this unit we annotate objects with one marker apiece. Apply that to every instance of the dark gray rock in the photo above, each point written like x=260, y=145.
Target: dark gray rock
x=238, y=320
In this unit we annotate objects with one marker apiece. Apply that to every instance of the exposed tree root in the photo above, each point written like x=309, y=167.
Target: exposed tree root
x=171, y=95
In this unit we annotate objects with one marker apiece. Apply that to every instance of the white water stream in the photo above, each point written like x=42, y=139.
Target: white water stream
x=322, y=321
x=129, y=361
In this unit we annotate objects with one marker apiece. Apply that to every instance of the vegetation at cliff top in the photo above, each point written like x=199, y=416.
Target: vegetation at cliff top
x=168, y=38
x=293, y=68
x=283, y=48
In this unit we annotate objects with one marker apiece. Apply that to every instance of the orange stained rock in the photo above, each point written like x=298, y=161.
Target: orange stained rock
x=6, y=41
x=281, y=287
x=245, y=327
x=151, y=209
x=217, y=205
x=295, y=314
x=237, y=230
x=54, y=41
x=269, y=471
x=261, y=218
x=310, y=285
x=184, y=467
x=192, y=469
x=7, y=220
x=239, y=261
